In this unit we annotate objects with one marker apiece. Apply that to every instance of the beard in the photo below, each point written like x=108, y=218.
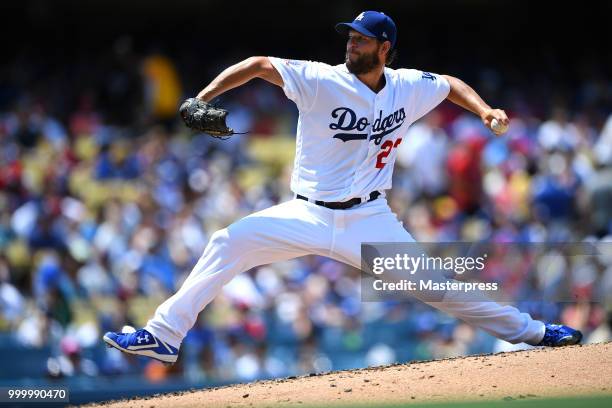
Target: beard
x=363, y=64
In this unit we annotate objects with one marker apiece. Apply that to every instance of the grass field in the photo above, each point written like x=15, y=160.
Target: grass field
x=584, y=402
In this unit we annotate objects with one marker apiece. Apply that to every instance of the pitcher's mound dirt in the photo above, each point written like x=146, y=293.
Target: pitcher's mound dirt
x=567, y=371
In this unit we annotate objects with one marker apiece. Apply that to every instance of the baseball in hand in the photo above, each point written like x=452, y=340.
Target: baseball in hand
x=498, y=127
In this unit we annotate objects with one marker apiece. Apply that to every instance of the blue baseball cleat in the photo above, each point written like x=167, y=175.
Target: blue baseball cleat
x=142, y=343
x=557, y=335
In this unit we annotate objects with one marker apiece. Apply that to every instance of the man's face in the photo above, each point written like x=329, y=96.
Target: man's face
x=361, y=53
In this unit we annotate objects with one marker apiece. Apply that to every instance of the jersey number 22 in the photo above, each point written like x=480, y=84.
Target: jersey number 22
x=385, y=150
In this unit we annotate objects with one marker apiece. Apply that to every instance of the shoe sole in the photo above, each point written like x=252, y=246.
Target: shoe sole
x=147, y=353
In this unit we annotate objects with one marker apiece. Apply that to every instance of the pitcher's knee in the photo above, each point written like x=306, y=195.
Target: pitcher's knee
x=220, y=239
x=219, y=245
x=228, y=242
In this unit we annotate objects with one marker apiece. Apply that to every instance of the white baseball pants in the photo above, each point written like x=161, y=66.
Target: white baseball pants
x=297, y=228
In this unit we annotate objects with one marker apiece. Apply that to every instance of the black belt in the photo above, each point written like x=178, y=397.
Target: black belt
x=343, y=205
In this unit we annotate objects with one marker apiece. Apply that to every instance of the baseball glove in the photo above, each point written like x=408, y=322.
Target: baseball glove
x=204, y=117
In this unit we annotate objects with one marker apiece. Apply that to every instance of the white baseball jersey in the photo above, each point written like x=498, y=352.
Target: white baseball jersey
x=347, y=135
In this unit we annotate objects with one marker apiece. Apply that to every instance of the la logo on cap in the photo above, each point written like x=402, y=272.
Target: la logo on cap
x=359, y=17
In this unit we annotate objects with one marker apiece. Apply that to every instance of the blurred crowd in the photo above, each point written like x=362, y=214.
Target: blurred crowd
x=108, y=202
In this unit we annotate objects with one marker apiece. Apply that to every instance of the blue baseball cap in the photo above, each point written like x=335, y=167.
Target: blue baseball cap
x=373, y=24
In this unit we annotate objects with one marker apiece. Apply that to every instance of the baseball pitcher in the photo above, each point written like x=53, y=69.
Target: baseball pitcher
x=352, y=118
